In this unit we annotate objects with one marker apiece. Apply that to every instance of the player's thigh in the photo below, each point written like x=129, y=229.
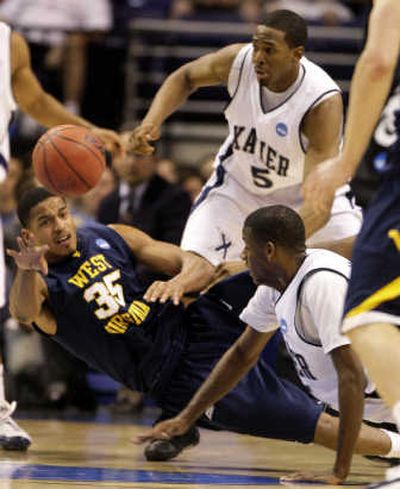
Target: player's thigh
x=214, y=229
x=264, y=405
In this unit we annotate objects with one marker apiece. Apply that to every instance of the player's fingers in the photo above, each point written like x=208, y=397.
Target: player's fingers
x=21, y=244
x=12, y=253
x=153, y=292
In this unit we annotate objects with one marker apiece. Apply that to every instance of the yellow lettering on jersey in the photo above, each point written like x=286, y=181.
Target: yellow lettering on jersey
x=79, y=279
x=100, y=262
x=139, y=311
x=394, y=234
x=90, y=269
x=118, y=324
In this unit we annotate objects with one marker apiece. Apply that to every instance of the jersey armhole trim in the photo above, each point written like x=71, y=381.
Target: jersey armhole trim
x=314, y=103
x=239, y=78
x=302, y=335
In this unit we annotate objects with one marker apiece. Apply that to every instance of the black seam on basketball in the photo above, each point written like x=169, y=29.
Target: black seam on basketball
x=69, y=166
x=47, y=172
x=66, y=138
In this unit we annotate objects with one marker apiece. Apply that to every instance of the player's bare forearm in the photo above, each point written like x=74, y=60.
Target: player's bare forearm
x=26, y=296
x=49, y=112
x=171, y=95
x=351, y=383
x=196, y=272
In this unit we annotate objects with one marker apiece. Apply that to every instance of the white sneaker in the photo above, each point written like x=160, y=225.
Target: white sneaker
x=12, y=437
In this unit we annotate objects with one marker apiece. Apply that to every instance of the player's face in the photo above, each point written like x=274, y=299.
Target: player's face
x=259, y=259
x=276, y=64
x=51, y=223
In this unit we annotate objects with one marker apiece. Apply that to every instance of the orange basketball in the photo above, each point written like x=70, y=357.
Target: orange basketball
x=68, y=160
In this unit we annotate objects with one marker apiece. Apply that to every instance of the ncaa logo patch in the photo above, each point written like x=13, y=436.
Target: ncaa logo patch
x=283, y=325
x=102, y=243
x=281, y=129
x=380, y=162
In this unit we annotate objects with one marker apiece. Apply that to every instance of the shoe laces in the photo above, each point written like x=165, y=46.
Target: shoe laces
x=7, y=409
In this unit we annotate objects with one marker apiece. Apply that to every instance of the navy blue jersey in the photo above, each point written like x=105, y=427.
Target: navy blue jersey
x=383, y=151
x=97, y=301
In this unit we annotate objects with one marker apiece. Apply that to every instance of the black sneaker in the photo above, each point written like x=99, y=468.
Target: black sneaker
x=162, y=450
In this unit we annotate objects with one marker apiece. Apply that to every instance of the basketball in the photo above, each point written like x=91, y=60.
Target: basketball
x=68, y=160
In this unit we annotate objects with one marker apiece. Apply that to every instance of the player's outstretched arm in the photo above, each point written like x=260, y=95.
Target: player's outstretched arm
x=191, y=272
x=40, y=105
x=29, y=290
x=234, y=364
x=208, y=70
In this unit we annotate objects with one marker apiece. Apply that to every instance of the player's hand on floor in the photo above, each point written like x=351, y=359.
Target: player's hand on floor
x=29, y=256
x=163, y=430
x=163, y=291
x=311, y=477
x=111, y=140
x=142, y=137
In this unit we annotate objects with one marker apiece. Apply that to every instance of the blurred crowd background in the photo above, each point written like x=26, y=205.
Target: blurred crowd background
x=105, y=60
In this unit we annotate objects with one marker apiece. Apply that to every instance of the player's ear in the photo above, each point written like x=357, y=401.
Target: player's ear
x=298, y=52
x=270, y=250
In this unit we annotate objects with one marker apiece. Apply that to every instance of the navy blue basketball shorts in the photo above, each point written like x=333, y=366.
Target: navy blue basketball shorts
x=374, y=288
x=262, y=404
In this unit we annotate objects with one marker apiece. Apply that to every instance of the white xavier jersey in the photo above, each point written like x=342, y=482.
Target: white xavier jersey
x=264, y=151
x=309, y=314
x=7, y=106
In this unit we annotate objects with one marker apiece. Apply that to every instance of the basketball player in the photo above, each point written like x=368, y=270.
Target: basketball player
x=309, y=287
x=20, y=88
x=81, y=288
x=372, y=309
x=284, y=117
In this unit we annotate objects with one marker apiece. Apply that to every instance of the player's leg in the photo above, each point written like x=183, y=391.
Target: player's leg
x=371, y=440
x=12, y=436
x=214, y=227
x=372, y=309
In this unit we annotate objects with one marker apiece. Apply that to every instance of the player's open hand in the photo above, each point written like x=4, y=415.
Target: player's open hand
x=111, y=140
x=141, y=138
x=160, y=291
x=164, y=430
x=311, y=477
x=29, y=256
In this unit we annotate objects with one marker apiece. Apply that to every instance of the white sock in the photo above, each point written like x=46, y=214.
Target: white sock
x=2, y=394
x=396, y=414
x=395, y=441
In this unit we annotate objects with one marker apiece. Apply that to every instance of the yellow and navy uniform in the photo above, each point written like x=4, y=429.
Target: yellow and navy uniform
x=101, y=316
x=374, y=288
x=165, y=350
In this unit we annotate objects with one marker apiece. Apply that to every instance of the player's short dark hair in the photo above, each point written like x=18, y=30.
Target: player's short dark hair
x=29, y=199
x=279, y=224
x=294, y=26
